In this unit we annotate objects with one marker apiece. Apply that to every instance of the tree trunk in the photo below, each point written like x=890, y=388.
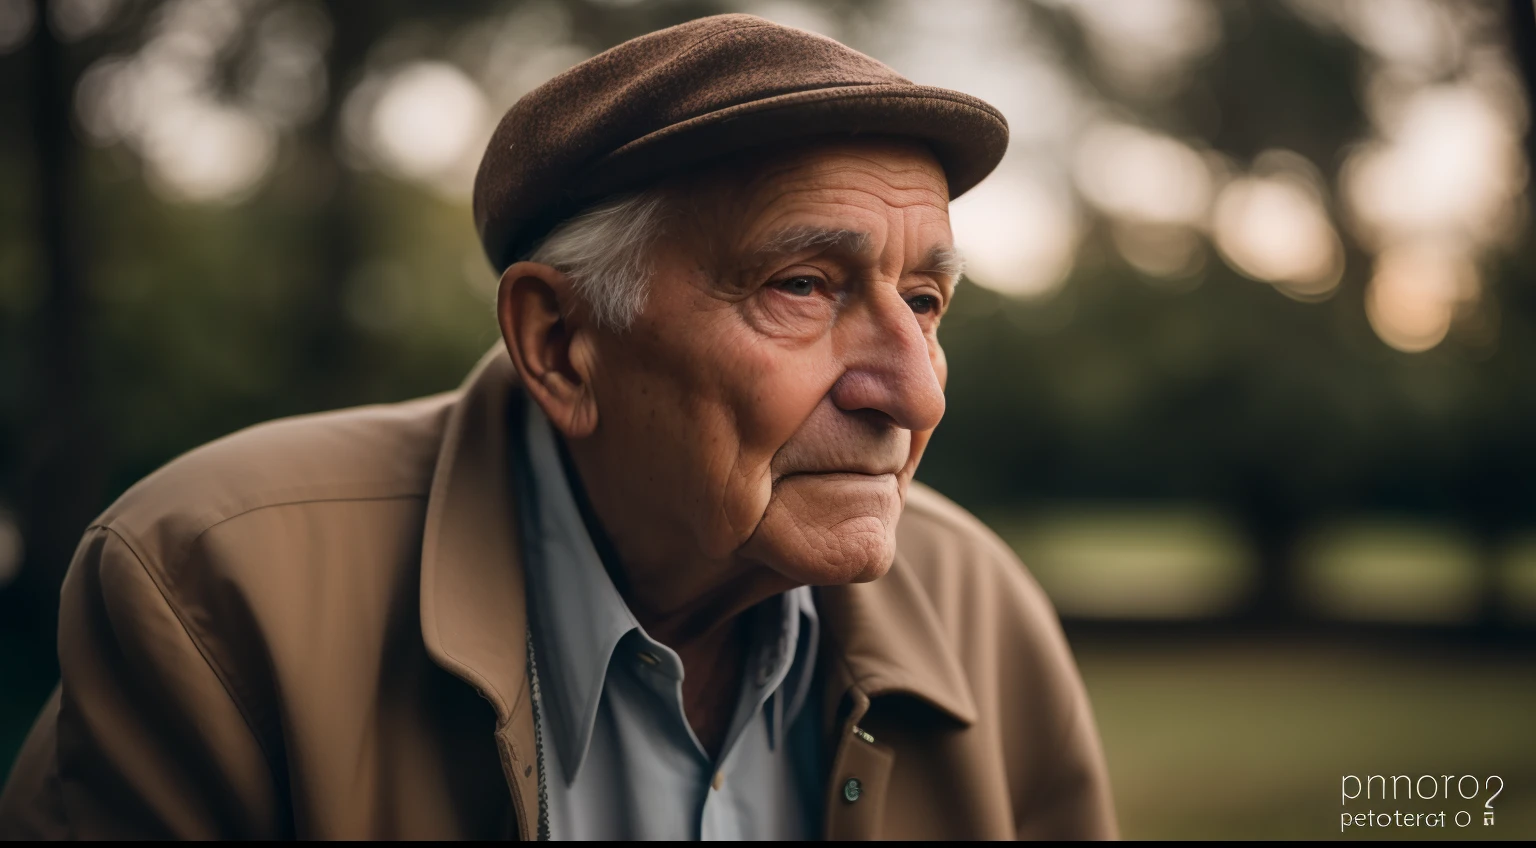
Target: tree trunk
x=332, y=350
x=1522, y=33
x=1273, y=525
x=61, y=468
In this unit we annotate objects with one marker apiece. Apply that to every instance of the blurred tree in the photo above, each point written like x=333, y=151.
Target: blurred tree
x=61, y=460
x=331, y=282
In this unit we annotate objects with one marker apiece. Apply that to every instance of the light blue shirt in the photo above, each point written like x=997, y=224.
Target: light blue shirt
x=620, y=759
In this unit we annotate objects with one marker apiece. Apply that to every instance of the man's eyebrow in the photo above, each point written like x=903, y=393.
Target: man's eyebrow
x=800, y=239
x=946, y=261
x=943, y=259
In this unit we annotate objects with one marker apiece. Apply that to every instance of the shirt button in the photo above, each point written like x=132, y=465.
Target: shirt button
x=852, y=790
x=719, y=780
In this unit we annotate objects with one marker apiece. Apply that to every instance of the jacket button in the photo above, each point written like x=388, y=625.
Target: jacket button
x=852, y=790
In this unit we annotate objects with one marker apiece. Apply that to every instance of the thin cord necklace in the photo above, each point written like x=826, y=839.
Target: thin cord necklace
x=538, y=742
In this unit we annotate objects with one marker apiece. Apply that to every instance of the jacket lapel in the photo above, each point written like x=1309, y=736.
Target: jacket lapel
x=474, y=615
x=883, y=638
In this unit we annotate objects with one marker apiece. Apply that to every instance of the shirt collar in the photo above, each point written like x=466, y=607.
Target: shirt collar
x=579, y=617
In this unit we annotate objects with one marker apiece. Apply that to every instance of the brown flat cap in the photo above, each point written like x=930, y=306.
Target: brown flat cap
x=677, y=97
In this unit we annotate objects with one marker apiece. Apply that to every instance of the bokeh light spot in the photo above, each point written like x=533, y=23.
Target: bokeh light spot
x=1275, y=229
x=16, y=20
x=1019, y=236
x=1415, y=292
x=429, y=124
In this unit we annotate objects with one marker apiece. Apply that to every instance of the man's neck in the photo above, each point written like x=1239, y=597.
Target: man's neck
x=710, y=631
x=712, y=674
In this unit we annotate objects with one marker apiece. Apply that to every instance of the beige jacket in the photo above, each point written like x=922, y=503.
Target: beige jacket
x=314, y=628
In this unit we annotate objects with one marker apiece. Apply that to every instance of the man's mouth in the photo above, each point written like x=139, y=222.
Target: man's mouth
x=842, y=475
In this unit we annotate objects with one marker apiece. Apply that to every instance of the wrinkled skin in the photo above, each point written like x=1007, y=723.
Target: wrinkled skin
x=756, y=428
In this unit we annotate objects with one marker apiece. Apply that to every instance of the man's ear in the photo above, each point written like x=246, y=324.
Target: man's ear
x=550, y=345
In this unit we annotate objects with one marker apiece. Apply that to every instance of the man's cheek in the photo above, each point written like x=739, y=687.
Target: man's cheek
x=747, y=491
x=774, y=404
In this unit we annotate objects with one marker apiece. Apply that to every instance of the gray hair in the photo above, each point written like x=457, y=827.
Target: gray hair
x=606, y=253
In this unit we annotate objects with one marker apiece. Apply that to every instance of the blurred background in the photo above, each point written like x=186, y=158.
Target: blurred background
x=1244, y=367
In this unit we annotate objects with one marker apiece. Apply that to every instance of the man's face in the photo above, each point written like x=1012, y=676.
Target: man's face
x=770, y=404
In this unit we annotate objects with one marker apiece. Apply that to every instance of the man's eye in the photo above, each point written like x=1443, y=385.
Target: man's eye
x=924, y=304
x=799, y=286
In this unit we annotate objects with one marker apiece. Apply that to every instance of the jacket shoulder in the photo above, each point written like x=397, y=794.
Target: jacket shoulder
x=1004, y=633
x=999, y=623
x=375, y=452
x=956, y=557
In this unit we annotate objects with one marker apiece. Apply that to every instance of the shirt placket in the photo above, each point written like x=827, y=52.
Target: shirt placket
x=719, y=810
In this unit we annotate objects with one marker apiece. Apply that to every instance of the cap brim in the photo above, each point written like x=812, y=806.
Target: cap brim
x=967, y=136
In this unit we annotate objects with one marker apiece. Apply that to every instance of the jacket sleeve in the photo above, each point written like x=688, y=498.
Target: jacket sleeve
x=1066, y=793
x=142, y=739
x=1074, y=801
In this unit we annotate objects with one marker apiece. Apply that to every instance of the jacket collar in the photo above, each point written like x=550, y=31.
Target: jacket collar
x=884, y=638
x=474, y=617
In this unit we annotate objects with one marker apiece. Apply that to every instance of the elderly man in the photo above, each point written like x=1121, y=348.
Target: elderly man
x=658, y=569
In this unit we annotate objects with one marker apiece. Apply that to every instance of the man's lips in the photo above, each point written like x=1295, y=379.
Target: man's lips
x=841, y=474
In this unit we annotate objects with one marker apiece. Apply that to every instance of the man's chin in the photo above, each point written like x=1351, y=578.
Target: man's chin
x=832, y=532
x=855, y=560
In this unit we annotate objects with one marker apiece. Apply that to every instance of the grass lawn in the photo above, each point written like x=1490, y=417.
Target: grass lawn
x=1234, y=739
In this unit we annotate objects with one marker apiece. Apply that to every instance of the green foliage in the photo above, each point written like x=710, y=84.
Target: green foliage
x=331, y=286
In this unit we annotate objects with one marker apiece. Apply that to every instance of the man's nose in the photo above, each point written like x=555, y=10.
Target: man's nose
x=888, y=366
